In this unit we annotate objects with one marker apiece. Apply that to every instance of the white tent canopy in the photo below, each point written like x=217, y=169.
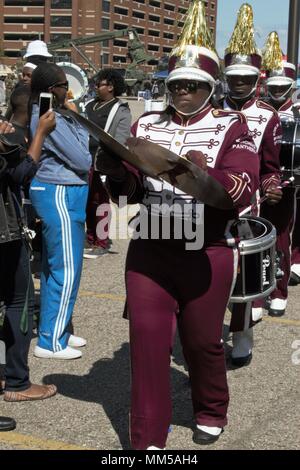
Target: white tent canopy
x=5, y=70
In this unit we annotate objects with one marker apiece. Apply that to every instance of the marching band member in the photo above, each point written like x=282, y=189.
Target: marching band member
x=280, y=84
x=242, y=70
x=163, y=275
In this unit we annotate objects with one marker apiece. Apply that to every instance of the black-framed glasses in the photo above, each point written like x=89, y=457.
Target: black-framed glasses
x=191, y=86
x=61, y=85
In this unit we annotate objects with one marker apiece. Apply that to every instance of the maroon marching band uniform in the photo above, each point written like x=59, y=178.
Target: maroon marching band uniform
x=282, y=216
x=287, y=111
x=264, y=125
x=162, y=276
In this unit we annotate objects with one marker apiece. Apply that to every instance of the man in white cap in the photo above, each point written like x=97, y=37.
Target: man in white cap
x=280, y=83
x=37, y=52
x=242, y=71
x=166, y=275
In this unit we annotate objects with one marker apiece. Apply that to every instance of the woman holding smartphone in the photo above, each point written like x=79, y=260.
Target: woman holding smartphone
x=59, y=193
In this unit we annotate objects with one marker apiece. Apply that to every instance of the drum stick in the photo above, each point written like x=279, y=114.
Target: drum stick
x=284, y=184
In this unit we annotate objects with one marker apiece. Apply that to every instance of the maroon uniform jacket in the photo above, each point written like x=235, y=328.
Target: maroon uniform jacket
x=264, y=124
x=224, y=138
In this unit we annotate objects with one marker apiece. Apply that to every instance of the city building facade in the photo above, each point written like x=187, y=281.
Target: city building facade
x=157, y=22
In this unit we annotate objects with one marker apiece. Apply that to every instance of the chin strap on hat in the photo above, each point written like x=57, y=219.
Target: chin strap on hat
x=281, y=98
x=197, y=110
x=245, y=96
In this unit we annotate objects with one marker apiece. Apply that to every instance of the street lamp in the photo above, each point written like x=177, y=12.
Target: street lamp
x=293, y=32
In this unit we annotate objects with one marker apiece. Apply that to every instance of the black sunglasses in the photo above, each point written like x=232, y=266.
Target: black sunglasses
x=61, y=85
x=98, y=85
x=189, y=86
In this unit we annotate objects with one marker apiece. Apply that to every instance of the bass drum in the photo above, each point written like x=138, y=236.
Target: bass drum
x=257, y=267
x=78, y=82
x=290, y=150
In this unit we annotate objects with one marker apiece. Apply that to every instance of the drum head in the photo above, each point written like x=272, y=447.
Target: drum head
x=251, y=228
x=255, y=234
x=290, y=150
x=78, y=82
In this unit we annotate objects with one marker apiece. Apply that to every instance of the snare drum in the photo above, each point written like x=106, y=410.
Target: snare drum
x=257, y=269
x=290, y=150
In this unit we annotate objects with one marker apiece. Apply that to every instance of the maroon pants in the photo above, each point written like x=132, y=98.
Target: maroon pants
x=97, y=196
x=296, y=236
x=162, y=278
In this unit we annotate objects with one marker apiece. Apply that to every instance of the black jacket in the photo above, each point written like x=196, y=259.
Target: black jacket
x=16, y=169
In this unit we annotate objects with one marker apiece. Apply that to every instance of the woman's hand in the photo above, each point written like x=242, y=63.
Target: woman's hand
x=46, y=123
x=198, y=158
x=70, y=105
x=5, y=128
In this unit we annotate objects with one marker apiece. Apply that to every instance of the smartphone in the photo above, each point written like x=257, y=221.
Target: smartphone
x=45, y=103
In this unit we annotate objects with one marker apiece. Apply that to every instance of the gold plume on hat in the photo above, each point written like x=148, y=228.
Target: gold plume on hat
x=272, y=53
x=242, y=40
x=195, y=30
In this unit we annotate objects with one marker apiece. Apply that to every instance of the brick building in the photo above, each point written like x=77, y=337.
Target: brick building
x=157, y=22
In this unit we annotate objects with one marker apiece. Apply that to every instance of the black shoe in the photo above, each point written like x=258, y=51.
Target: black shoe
x=204, y=438
x=7, y=424
x=241, y=361
x=276, y=313
x=294, y=279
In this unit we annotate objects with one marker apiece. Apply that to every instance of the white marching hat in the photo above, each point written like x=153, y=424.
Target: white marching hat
x=278, y=71
x=284, y=76
x=194, y=56
x=242, y=56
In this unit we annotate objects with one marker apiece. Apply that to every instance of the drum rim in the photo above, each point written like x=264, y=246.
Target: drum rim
x=267, y=240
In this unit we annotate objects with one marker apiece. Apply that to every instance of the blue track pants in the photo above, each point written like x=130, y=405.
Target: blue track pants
x=62, y=210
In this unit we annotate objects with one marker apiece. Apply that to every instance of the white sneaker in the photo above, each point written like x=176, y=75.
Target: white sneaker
x=67, y=353
x=278, y=304
x=277, y=307
x=242, y=342
x=76, y=341
x=295, y=268
x=95, y=253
